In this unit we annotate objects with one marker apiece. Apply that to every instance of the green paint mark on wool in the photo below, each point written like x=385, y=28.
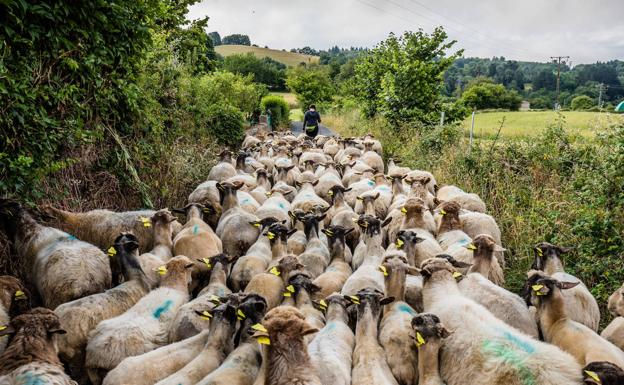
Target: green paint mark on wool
x=195, y=229
x=163, y=308
x=512, y=357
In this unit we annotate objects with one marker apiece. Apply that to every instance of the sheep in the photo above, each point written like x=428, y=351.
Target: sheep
x=339, y=269
x=419, y=189
x=484, y=347
x=247, y=202
x=502, y=303
x=326, y=182
x=573, y=337
x=467, y=201
x=485, y=245
x=331, y=147
x=428, y=336
x=416, y=216
x=217, y=348
x=298, y=241
x=367, y=274
x=186, y=323
x=271, y=285
x=288, y=361
x=358, y=188
x=31, y=356
x=259, y=194
x=603, y=373
x=144, y=326
x=286, y=172
x=299, y=294
x=376, y=144
x=286, y=191
x=474, y=224
x=14, y=300
x=101, y=227
x=235, y=229
x=331, y=350
x=341, y=214
x=408, y=241
x=393, y=169
x=372, y=158
x=207, y=194
x=395, y=327
x=243, y=365
x=376, y=201
x=155, y=365
x=265, y=158
x=369, y=361
x=268, y=247
x=81, y=316
x=580, y=304
x=163, y=246
x=63, y=267
x=425, y=176
x=307, y=200
x=224, y=169
x=276, y=206
x=614, y=332
x=450, y=236
x=315, y=257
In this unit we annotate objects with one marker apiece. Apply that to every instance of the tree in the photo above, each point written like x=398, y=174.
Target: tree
x=545, y=79
x=266, y=70
x=310, y=84
x=194, y=46
x=582, y=102
x=401, y=78
x=215, y=37
x=236, y=39
x=484, y=94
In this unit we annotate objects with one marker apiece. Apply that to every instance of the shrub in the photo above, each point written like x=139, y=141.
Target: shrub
x=488, y=95
x=582, y=102
x=312, y=85
x=278, y=108
x=226, y=123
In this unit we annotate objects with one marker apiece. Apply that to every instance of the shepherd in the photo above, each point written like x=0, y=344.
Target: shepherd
x=311, y=121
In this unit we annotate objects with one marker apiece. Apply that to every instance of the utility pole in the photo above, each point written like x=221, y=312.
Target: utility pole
x=557, y=59
x=600, y=94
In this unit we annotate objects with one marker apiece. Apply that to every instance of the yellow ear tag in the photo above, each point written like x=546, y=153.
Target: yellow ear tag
x=263, y=340
x=360, y=198
x=593, y=376
x=399, y=243
x=270, y=235
x=205, y=315
x=537, y=288
x=354, y=220
x=403, y=211
x=240, y=315
x=540, y=252
x=207, y=262
x=259, y=327
x=290, y=288
x=442, y=212
x=257, y=224
x=214, y=298
x=323, y=304
x=146, y=221
x=162, y=270
x=355, y=299
x=420, y=341
x=274, y=271
x=2, y=327
x=330, y=193
x=287, y=294
x=457, y=274
x=20, y=294
x=111, y=251
x=268, y=193
x=383, y=269
x=471, y=247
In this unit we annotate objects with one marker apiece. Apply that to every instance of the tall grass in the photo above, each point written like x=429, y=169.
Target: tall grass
x=554, y=187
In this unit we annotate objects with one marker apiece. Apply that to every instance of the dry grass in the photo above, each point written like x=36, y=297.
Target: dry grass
x=290, y=59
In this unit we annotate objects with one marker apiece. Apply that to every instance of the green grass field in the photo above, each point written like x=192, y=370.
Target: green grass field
x=529, y=123
x=289, y=97
x=288, y=58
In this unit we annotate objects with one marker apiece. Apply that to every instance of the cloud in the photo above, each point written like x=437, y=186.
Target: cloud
x=588, y=31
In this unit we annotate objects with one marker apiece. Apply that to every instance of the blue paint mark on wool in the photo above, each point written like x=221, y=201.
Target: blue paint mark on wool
x=163, y=308
x=371, y=183
x=406, y=308
x=71, y=237
x=29, y=378
x=282, y=205
x=195, y=229
x=518, y=342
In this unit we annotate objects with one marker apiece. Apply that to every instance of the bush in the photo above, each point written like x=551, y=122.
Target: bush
x=279, y=110
x=582, y=102
x=488, y=95
x=226, y=123
x=266, y=70
x=312, y=85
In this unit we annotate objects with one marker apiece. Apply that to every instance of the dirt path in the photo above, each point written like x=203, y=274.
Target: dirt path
x=297, y=128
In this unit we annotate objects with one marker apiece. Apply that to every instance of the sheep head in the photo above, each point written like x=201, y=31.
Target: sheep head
x=616, y=303
x=264, y=222
x=441, y=267
x=602, y=373
x=428, y=328
x=301, y=281
x=176, y=272
x=369, y=298
x=14, y=296
x=284, y=325
x=395, y=264
x=544, y=250
x=540, y=287
x=484, y=246
x=337, y=233
x=13, y=217
x=163, y=216
x=228, y=189
x=371, y=225
x=413, y=207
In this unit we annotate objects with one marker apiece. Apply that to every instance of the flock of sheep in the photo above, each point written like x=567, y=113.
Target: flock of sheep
x=299, y=262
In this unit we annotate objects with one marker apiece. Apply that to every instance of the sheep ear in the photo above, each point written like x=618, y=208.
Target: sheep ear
x=347, y=189
x=376, y=196
x=321, y=217
x=238, y=184
x=6, y=330
x=387, y=300
x=413, y=270
x=437, y=202
x=314, y=288
x=442, y=332
x=426, y=180
x=179, y=211
x=567, y=285
x=220, y=186
x=291, y=232
x=499, y=248
x=386, y=222
x=57, y=331
x=349, y=230
x=460, y=264
x=189, y=266
x=308, y=329
x=564, y=250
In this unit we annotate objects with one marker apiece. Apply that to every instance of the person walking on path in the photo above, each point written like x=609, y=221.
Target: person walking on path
x=311, y=121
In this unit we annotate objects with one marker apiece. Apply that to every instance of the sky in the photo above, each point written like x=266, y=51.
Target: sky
x=533, y=30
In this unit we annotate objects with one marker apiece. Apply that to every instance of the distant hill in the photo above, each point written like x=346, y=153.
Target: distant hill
x=290, y=59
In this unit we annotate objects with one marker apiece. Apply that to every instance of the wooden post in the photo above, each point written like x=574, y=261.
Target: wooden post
x=474, y=112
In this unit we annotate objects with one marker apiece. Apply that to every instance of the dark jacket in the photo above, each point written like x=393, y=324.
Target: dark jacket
x=311, y=119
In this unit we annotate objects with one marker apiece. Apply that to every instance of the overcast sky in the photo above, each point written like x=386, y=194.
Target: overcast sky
x=585, y=30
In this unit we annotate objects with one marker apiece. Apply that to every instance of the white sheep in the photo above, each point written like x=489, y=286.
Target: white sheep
x=614, y=332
